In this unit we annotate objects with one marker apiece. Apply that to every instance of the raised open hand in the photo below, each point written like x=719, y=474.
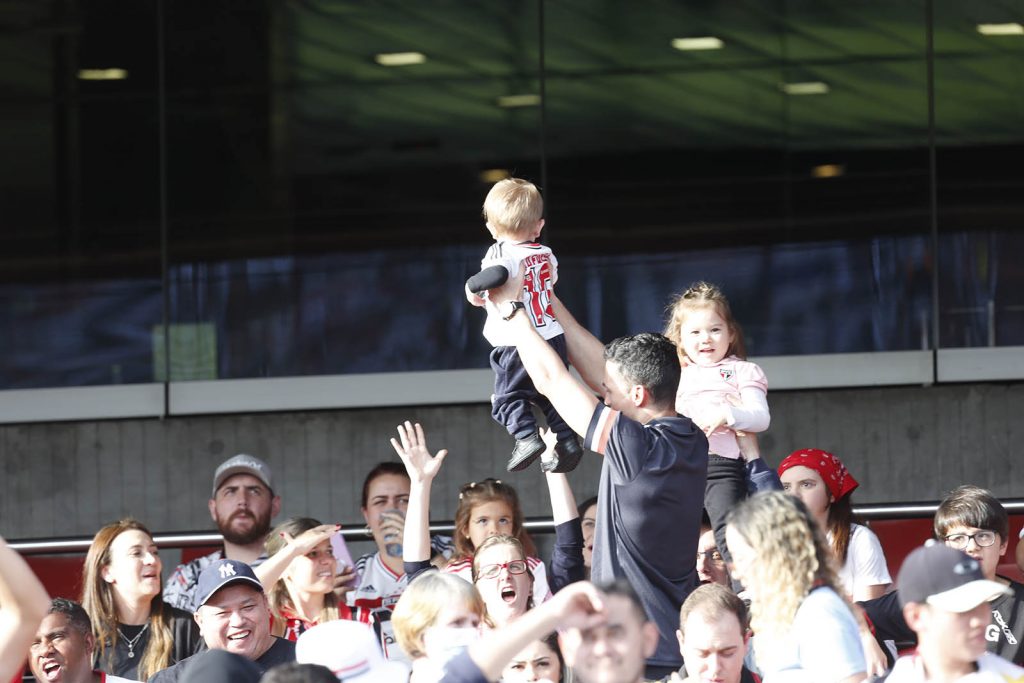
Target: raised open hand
x=411, y=447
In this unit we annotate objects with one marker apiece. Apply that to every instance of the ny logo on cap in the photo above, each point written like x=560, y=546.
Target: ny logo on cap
x=226, y=570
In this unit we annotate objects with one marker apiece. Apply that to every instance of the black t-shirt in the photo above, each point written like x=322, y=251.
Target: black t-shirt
x=184, y=631
x=1005, y=635
x=649, y=504
x=891, y=630
x=281, y=652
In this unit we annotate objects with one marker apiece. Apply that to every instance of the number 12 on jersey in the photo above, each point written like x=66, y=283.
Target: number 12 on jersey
x=537, y=287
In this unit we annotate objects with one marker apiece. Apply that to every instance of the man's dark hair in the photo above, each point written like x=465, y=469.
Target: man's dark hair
x=711, y=601
x=78, y=618
x=623, y=589
x=650, y=360
x=971, y=506
x=293, y=672
x=379, y=470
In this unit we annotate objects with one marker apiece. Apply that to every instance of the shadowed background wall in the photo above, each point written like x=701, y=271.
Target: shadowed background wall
x=902, y=444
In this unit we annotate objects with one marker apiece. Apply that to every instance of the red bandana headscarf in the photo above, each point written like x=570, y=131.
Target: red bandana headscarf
x=832, y=470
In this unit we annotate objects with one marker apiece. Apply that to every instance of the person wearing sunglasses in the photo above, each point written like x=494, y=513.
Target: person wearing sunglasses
x=970, y=519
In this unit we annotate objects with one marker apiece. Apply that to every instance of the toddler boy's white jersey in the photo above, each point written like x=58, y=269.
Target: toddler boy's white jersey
x=538, y=281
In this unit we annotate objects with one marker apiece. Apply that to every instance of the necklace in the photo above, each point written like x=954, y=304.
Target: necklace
x=131, y=643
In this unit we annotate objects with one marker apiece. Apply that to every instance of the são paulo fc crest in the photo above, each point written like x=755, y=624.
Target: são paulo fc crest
x=725, y=374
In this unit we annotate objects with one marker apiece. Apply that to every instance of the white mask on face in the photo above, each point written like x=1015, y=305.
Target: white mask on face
x=441, y=643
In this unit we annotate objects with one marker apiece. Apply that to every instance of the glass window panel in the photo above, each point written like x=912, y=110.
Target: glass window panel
x=979, y=119
x=807, y=125
x=305, y=188
x=80, y=284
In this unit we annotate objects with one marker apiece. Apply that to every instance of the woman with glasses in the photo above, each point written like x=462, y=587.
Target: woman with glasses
x=804, y=629
x=502, y=576
x=491, y=508
x=500, y=566
x=823, y=483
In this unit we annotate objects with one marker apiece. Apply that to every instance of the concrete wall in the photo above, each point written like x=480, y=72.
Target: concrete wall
x=902, y=444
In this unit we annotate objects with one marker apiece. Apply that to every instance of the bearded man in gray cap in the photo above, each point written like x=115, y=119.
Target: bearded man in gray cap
x=242, y=505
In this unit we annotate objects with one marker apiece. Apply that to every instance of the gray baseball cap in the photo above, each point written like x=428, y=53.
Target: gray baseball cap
x=242, y=464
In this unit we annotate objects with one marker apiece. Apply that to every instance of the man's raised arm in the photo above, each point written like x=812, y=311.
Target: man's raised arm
x=586, y=352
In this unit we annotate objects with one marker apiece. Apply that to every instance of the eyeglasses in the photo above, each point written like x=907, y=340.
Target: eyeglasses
x=982, y=539
x=491, y=571
x=710, y=556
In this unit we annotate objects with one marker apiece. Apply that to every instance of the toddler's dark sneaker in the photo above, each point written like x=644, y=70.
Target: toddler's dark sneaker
x=526, y=451
x=568, y=453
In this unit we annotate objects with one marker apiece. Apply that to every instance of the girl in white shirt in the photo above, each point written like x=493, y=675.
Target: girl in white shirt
x=823, y=483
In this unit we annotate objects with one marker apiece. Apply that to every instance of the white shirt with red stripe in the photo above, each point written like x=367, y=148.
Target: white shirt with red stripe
x=373, y=599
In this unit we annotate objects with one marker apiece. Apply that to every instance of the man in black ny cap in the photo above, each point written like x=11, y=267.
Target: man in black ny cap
x=945, y=596
x=233, y=615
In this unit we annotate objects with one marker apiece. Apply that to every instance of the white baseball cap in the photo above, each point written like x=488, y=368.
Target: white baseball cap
x=350, y=650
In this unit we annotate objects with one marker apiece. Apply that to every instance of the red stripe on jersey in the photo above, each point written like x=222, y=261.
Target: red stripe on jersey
x=387, y=568
x=604, y=429
x=457, y=566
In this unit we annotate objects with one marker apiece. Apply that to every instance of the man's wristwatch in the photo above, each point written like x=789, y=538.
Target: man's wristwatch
x=509, y=309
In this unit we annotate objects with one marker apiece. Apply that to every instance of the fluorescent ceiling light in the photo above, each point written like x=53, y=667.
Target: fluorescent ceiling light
x=512, y=101
x=1011, y=29
x=828, y=171
x=493, y=175
x=805, y=88
x=699, y=43
x=102, y=74
x=400, y=58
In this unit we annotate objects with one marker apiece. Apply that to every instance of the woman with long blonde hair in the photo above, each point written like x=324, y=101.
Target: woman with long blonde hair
x=136, y=633
x=800, y=620
x=298, y=577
